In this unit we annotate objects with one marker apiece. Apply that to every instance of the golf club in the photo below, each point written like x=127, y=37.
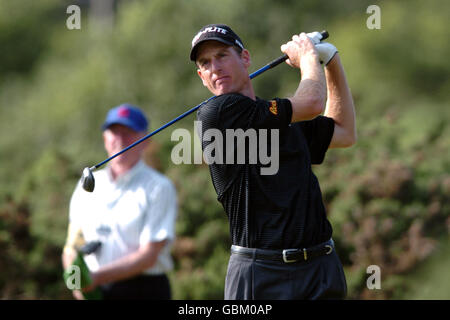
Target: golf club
x=87, y=178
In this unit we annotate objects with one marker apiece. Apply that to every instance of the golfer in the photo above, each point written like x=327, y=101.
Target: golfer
x=132, y=213
x=281, y=237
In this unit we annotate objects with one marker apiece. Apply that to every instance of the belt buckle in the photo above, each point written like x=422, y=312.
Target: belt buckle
x=285, y=258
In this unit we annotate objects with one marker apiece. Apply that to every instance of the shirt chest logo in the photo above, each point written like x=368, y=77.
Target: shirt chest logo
x=273, y=107
x=103, y=230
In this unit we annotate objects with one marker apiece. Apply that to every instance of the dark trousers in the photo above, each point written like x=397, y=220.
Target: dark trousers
x=255, y=279
x=142, y=287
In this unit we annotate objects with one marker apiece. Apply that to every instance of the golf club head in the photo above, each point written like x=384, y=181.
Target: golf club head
x=87, y=180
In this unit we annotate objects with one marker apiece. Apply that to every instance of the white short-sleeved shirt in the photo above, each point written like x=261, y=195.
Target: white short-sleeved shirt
x=138, y=208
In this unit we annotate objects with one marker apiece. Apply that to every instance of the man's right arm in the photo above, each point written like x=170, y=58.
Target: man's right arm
x=69, y=254
x=74, y=239
x=310, y=97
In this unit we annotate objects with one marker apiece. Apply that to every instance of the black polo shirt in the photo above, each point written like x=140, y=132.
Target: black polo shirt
x=279, y=211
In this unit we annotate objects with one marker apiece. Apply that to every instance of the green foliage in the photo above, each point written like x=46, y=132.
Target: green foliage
x=30, y=267
x=429, y=280
x=25, y=42
x=387, y=197
x=205, y=282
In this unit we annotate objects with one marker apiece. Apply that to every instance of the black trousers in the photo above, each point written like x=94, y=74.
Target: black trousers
x=142, y=287
x=255, y=279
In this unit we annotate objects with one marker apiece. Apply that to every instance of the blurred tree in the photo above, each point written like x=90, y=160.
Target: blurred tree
x=26, y=28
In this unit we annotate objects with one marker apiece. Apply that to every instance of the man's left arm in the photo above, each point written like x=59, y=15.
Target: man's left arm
x=158, y=231
x=340, y=105
x=128, y=266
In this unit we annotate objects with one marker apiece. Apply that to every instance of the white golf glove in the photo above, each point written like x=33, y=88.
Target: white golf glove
x=315, y=37
x=326, y=50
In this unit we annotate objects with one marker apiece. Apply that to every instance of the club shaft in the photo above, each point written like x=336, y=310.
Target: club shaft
x=152, y=133
x=268, y=66
x=254, y=74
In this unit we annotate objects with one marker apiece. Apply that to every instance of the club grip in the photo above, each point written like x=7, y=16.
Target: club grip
x=324, y=34
x=284, y=57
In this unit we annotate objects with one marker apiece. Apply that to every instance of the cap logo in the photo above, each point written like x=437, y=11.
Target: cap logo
x=124, y=112
x=207, y=30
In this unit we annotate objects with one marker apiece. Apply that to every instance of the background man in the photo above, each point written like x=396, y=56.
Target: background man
x=132, y=213
x=282, y=246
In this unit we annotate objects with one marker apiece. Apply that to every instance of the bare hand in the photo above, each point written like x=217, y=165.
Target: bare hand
x=93, y=284
x=77, y=294
x=300, y=51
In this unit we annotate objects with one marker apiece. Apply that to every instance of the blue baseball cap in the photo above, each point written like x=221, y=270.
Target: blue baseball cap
x=127, y=115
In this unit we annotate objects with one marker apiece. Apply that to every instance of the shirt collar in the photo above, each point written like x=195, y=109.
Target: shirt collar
x=127, y=176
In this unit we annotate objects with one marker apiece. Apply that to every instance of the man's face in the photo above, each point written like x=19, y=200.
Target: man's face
x=222, y=69
x=117, y=137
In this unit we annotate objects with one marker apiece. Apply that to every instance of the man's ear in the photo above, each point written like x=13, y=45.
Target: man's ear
x=245, y=56
x=199, y=72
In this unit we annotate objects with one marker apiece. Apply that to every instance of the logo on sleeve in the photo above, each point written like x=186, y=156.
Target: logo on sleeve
x=273, y=107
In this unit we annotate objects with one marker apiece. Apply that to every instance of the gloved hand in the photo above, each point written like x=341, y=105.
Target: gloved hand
x=315, y=37
x=326, y=50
